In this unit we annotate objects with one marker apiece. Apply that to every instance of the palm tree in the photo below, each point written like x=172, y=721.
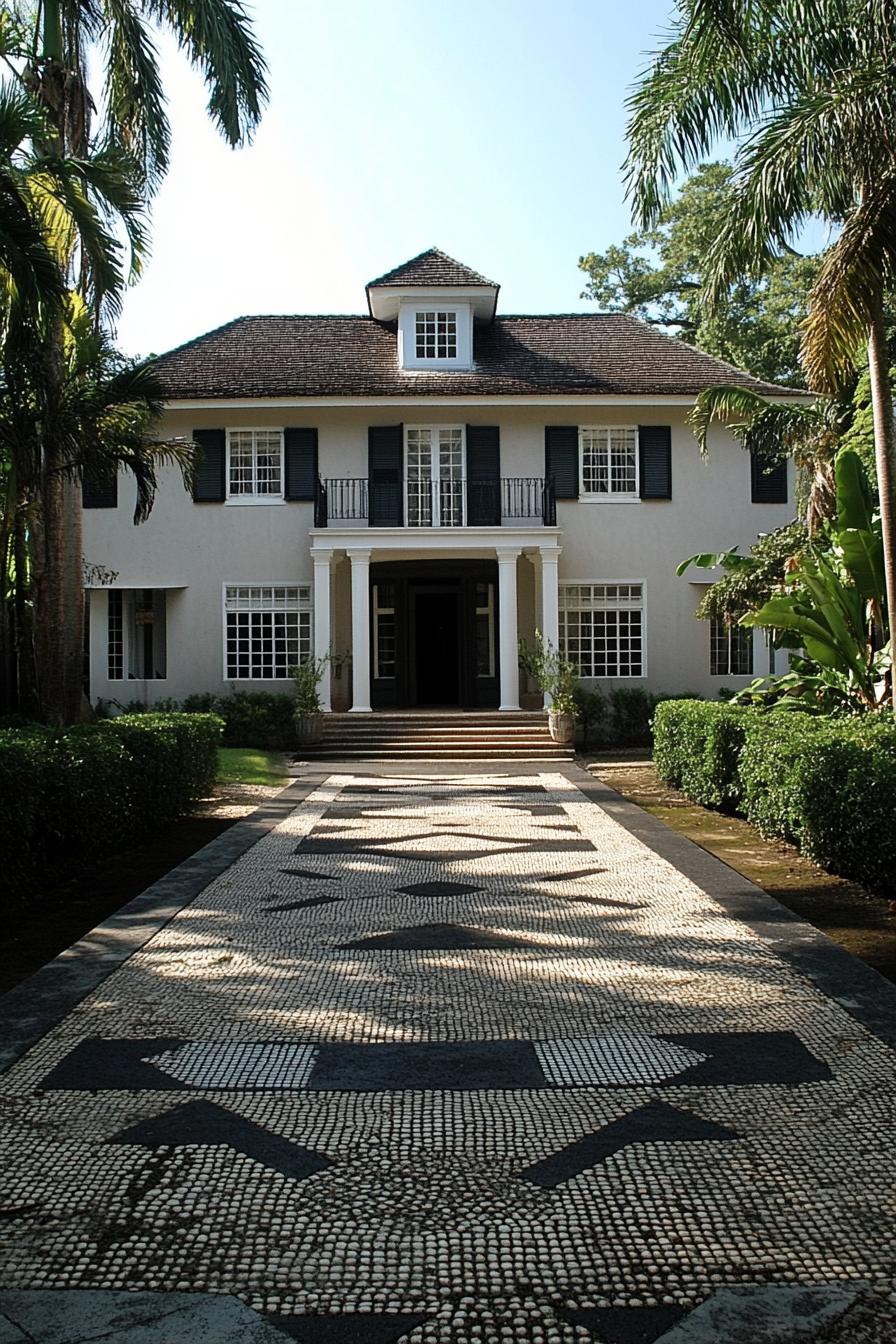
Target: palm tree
x=104, y=419
x=126, y=145
x=807, y=92
x=774, y=432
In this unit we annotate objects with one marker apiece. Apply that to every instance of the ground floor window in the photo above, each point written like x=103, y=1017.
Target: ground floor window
x=384, y=631
x=602, y=628
x=730, y=650
x=136, y=640
x=267, y=630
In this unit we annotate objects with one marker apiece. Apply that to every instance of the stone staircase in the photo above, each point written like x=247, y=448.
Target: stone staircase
x=393, y=735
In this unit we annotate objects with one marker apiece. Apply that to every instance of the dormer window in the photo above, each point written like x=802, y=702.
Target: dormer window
x=436, y=333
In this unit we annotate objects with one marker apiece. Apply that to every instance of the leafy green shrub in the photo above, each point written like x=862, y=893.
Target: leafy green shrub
x=251, y=718
x=23, y=781
x=830, y=786
x=591, y=711
x=697, y=745
x=86, y=802
x=173, y=761
x=631, y=709
x=87, y=790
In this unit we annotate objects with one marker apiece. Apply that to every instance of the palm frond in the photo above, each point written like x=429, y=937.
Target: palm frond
x=854, y=273
x=217, y=36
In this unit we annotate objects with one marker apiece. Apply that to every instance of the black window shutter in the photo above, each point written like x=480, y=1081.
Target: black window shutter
x=209, y=486
x=99, y=489
x=561, y=459
x=385, y=448
x=768, y=485
x=300, y=463
x=655, y=461
x=483, y=476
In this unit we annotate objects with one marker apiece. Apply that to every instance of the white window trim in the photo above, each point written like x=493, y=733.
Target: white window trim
x=436, y=525
x=254, y=500
x=644, y=673
x=261, y=583
x=407, y=333
x=609, y=496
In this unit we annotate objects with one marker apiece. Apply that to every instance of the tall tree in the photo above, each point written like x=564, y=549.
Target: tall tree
x=658, y=273
x=123, y=122
x=809, y=95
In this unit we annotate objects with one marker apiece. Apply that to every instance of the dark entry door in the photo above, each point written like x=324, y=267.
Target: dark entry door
x=435, y=635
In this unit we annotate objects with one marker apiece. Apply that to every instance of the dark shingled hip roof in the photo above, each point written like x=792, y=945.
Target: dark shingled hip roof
x=431, y=268
x=586, y=354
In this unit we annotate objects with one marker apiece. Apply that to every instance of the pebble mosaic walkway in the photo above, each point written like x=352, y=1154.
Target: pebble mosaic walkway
x=450, y=1059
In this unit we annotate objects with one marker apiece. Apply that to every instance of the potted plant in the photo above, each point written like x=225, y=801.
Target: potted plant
x=306, y=713
x=558, y=678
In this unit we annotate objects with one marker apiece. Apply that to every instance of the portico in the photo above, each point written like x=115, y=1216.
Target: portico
x=434, y=625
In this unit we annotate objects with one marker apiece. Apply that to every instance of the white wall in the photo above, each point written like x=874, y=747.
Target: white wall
x=203, y=546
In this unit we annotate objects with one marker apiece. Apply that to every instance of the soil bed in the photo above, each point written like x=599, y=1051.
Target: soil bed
x=45, y=924
x=863, y=923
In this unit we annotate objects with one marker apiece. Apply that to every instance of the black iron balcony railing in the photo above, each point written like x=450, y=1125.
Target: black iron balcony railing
x=441, y=503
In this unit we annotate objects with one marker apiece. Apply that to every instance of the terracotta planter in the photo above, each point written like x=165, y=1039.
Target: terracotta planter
x=562, y=728
x=309, y=728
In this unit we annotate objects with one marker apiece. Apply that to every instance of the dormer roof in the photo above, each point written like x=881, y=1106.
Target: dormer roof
x=432, y=273
x=432, y=267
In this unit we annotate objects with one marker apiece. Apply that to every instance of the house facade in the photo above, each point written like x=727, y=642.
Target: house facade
x=415, y=490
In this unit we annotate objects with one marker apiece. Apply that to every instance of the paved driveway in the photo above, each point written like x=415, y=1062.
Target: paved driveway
x=450, y=1057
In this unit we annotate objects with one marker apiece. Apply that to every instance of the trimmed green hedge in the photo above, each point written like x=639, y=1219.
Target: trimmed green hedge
x=88, y=790
x=262, y=719
x=697, y=744
x=827, y=784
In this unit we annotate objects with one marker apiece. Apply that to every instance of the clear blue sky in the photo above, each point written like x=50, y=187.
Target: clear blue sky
x=493, y=129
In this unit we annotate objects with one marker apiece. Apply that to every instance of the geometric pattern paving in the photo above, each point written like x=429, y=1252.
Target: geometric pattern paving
x=588, y=1104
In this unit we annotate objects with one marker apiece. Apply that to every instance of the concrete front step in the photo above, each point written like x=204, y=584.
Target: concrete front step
x=479, y=735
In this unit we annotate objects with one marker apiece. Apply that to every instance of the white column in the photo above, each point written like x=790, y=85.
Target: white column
x=322, y=563
x=509, y=639
x=550, y=601
x=360, y=631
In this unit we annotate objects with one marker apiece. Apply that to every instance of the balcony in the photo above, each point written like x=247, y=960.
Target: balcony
x=359, y=501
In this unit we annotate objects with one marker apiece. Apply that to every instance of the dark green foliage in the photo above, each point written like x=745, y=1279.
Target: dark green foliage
x=745, y=587
x=23, y=779
x=251, y=718
x=262, y=719
x=591, y=712
x=828, y=784
x=631, y=710
x=88, y=790
x=696, y=748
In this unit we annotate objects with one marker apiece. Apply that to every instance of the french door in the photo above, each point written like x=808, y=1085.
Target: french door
x=435, y=476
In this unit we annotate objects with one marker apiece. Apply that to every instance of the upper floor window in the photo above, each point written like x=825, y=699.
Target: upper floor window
x=609, y=461
x=436, y=332
x=254, y=465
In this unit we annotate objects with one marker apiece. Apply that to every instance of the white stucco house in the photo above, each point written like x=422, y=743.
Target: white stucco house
x=417, y=488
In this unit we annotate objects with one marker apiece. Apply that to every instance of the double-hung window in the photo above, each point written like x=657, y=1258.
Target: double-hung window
x=434, y=472
x=602, y=628
x=254, y=465
x=730, y=650
x=609, y=461
x=267, y=630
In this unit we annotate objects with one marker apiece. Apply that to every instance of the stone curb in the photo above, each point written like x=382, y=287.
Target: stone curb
x=856, y=987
